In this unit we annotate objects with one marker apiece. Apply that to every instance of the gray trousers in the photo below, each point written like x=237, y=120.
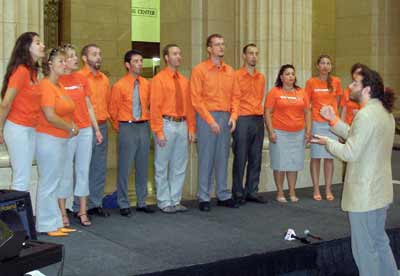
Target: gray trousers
x=97, y=170
x=213, y=154
x=133, y=146
x=370, y=243
x=247, y=145
x=170, y=164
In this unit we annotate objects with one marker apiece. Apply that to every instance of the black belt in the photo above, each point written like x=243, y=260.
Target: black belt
x=133, y=122
x=174, y=118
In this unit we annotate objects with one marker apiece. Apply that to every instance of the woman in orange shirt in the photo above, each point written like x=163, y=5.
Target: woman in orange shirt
x=19, y=108
x=288, y=120
x=80, y=146
x=323, y=89
x=350, y=107
x=55, y=126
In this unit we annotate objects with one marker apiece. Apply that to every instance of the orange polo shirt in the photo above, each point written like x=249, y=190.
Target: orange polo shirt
x=120, y=107
x=25, y=108
x=100, y=92
x=77, y=88
x=163, y=101
x=214, y=88
x=350, y=106
x=319, y=95
x=287, y=108
x=56, y=97
x=251, y=92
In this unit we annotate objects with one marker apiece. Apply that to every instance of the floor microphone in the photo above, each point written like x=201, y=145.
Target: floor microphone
x=308, y=234
x=291, y=235
x=303, y=240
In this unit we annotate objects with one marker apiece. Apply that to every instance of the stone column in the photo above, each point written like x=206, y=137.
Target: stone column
x=282, y=32
x=17, y=17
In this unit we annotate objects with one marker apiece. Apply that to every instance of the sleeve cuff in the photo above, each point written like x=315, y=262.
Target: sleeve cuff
x=333, y=122
x=234, y=116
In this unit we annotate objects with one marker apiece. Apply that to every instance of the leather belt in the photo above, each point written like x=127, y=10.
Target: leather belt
x=133, y=122
x=174, y=118
x=100, y=122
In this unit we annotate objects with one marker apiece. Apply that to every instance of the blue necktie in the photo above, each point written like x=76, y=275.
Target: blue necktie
x=136, y=109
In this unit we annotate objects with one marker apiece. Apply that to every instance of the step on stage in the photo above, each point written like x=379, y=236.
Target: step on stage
x=245, y=241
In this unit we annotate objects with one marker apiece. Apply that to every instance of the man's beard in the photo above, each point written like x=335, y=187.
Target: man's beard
x=94, y=65
x=355, y=96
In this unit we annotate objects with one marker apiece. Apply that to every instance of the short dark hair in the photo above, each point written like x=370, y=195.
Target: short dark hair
x=165, y=51
x=85, y=49
x=210, y=37
x=247, y=46
x=378, y=91
x=278, y=82
x=128, y=55
x=357, y=66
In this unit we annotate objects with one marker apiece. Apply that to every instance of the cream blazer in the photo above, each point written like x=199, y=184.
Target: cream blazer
x=368, y=150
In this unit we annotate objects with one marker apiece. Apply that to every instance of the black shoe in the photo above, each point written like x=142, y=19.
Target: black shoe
x=230, y=203
x=257, y=199
x=240, y=200
x=98, y=211
x=126, y=212
x=145, y=209
x=204, y=206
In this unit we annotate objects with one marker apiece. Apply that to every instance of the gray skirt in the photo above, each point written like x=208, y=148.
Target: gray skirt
x=319, y=151
x=287, y=154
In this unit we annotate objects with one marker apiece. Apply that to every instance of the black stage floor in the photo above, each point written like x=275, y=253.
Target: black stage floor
x=186, y=243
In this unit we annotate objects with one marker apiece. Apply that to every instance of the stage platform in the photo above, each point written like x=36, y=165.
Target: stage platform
x=244, y=241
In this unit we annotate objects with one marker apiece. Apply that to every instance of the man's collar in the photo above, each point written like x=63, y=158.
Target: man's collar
x=171, y=72
x=87, y=72
x=210, y=65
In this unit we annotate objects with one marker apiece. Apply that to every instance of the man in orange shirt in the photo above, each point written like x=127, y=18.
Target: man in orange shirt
x=215, y=97
x=130, y=114
x=173, y=124
x=248, y=136
x=100, y=95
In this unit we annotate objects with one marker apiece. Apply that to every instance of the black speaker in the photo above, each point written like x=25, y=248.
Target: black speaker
x=12, y=235
x=20, y=202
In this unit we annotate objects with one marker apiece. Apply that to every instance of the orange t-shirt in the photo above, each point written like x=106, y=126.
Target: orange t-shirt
x=56, y=97
x=100, y=92
x=287, y=108
x=251, y=92
x=163, y=101
x=77, y=89
x=319, y=96
x=350, y=106
x=26, y=105
x=120, y=108
x=214, y=88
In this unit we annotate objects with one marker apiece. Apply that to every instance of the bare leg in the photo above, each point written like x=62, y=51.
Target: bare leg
x=314, y=170
x=328, y=175
x=292, y=178
x=279, y=178
x=61, y=205
x=82, y=211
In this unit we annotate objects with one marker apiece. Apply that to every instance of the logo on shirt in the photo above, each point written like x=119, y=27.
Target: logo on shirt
x=288, y=97
x=73, y=87
x=321, y=90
